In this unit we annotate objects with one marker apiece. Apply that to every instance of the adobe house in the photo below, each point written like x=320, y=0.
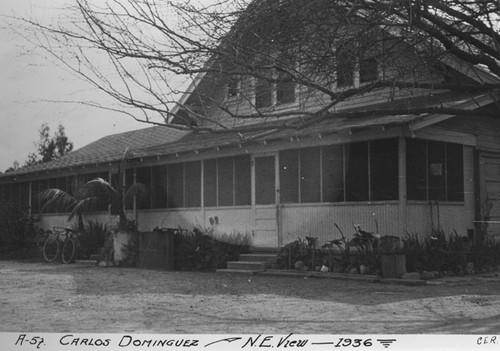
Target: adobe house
x=392, y=174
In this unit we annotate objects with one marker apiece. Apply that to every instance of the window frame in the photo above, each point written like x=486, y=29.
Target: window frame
x=448, y=181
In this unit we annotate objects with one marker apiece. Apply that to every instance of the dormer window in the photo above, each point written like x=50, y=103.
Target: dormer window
x=285, y=89
x=263, y=93
x=368, y=70
x=233, y=87
x=345, y=71
x=269, y=94
x=353, y=69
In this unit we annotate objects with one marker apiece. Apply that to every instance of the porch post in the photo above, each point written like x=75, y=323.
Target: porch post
x=30, y=194
x=402, y=210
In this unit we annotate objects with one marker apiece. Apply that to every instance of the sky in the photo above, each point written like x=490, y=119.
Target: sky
x=28, y=81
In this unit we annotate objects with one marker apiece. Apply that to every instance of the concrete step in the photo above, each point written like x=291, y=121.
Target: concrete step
x=246, y=265
x=259, y=257
x=265, y=250
x=237, y=271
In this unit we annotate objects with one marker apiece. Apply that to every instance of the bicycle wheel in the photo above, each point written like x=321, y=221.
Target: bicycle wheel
x=68, y=251
x=50, y=250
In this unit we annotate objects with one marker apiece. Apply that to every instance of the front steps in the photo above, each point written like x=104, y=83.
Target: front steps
x=252, y=263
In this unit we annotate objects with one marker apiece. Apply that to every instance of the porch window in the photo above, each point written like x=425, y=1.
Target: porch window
x=16, y=192
x=192, y=184
x=384, y=170
x=144, y=176
x=227, y=181
x=310, y=188
x=333, y=173
x=242, y=181
x=356, y=179
x=265, y=183
x=160, y=187
x=225, y=178
x=364, y=171
x=289, y=175
x=210, y=183
x=176, y=185
x=434, y=171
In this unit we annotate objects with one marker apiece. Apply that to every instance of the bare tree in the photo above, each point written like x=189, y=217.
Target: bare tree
x=328, y=52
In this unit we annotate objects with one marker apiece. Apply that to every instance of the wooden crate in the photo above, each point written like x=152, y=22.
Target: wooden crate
x=156, y=250
x=393, y=266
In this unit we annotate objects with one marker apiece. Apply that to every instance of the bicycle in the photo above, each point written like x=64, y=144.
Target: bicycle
x=52, y=245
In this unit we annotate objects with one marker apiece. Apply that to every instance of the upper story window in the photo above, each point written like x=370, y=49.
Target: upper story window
x=285, y=89
x=263, y=93
x=280, y=92
x=233, y=87
x=368, y=70
x=354, y=69
x=345, y=69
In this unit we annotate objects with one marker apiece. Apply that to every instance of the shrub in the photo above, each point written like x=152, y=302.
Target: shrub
x=203, y=251
x=437, y=252
x=299, y=250
x=17, y=231
x=92, y=239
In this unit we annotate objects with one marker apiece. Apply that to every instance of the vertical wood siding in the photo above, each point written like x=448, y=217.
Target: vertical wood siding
x=319, y=221
x=187, y=219
x=450, y=218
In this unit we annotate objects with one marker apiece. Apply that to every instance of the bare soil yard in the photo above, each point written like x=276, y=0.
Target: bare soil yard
x=84, y=298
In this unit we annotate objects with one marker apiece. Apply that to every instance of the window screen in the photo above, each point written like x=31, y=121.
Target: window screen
x=265, y=184
x=384, y=170
x=176, y=185
x=310, y=181
x=242, y=178
x=159, y=191
x=356, y=172
x=333, y=173
x=210, y=183
x=225, y=181
x=193, y=184
x=289, y=176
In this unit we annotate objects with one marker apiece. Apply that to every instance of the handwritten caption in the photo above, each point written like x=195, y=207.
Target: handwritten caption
x=108, y=342
x=134, y=341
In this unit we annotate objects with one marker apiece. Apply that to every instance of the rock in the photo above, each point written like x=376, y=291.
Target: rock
x=411, y=276
x=324, y=268
x=103, y=264
x=299, y=265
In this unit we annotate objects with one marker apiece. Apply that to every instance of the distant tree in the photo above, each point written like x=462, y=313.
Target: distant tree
x=50, y=148
x=15, y=166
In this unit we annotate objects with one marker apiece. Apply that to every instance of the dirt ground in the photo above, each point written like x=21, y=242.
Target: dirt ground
x=42, y=297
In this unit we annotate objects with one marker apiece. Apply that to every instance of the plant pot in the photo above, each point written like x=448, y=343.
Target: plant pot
x=120, y=239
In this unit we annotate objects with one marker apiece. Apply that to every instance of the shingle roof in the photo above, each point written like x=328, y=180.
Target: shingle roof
x=107, y=149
